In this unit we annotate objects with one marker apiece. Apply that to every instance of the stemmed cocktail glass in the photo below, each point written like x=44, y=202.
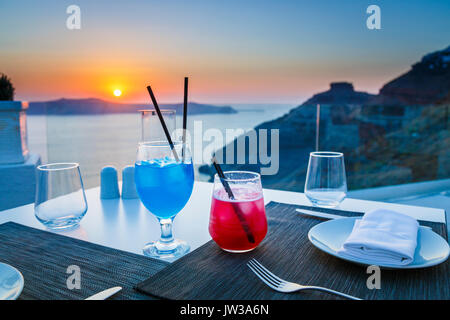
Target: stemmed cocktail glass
x=164, y=183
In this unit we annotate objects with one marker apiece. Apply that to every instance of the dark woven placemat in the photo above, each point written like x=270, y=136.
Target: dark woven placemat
x=210, y=273
x=43, y=257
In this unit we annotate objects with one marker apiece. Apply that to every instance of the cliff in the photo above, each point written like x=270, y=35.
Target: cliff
x=340, y=92
x=399, y=136
x=297, y=131
x=427, y=82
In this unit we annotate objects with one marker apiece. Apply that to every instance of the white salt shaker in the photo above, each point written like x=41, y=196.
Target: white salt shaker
x=109, y=185
x=128, y=185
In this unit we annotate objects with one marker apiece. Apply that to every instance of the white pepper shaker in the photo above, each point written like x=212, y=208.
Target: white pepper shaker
x=128, y=185
x=109, y=184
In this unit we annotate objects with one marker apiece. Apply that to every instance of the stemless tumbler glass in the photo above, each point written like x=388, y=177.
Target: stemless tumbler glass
x=60, y=199
x=326, y=184
x=151, y=126
x=164, y=185
x=238, y=224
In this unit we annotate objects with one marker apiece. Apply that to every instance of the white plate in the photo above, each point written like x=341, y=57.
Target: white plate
x=11, y=282
x=329, y=236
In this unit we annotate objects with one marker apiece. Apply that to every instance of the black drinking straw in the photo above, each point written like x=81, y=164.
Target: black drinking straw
x=222, y=178
x=236, y=208
x=185, y=106
x=163, y=123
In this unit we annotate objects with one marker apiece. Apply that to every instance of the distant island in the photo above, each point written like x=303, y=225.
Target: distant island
x=98, y=106
x=400, y=135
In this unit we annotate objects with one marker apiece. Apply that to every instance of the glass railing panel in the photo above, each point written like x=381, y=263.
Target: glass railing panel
x=98, y=140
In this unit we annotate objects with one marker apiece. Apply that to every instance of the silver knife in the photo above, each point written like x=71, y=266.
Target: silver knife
x=320, y=214
x=104, y=294
x=333, y=216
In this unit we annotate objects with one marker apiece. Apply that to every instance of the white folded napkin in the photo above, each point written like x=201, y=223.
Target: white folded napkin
x=383, y=237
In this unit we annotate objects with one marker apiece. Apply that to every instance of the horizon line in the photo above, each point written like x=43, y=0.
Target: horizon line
x=166, y=102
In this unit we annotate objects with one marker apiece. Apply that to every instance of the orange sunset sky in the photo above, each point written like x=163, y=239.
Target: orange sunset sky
x=233, y=51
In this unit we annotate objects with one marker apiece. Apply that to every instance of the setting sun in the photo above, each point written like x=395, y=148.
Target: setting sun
x=117, y=93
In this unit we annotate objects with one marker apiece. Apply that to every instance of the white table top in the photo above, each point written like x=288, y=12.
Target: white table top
x=128, y=226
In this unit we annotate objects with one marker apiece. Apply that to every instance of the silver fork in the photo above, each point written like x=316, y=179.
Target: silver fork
x=281, y=285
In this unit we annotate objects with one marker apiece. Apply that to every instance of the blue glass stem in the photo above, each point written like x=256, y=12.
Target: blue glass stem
x=166, y=230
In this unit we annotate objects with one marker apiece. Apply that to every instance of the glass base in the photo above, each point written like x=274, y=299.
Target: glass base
x=325, y=204
x=167, y=251
x=238, y=251
x=63, y=224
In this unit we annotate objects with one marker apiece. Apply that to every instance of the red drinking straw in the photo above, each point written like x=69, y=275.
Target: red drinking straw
x=236, y=208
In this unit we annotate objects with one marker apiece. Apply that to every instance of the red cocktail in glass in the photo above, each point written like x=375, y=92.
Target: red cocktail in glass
x=239, y=224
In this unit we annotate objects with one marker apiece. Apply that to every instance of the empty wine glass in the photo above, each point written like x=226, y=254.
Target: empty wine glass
x=151, y=125
x=60, y=199
x=326, y=183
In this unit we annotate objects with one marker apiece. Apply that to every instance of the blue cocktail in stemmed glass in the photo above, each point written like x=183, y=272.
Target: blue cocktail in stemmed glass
x=164, y=181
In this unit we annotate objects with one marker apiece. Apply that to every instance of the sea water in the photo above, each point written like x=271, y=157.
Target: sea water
x=95, y=141
x=164, y=185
